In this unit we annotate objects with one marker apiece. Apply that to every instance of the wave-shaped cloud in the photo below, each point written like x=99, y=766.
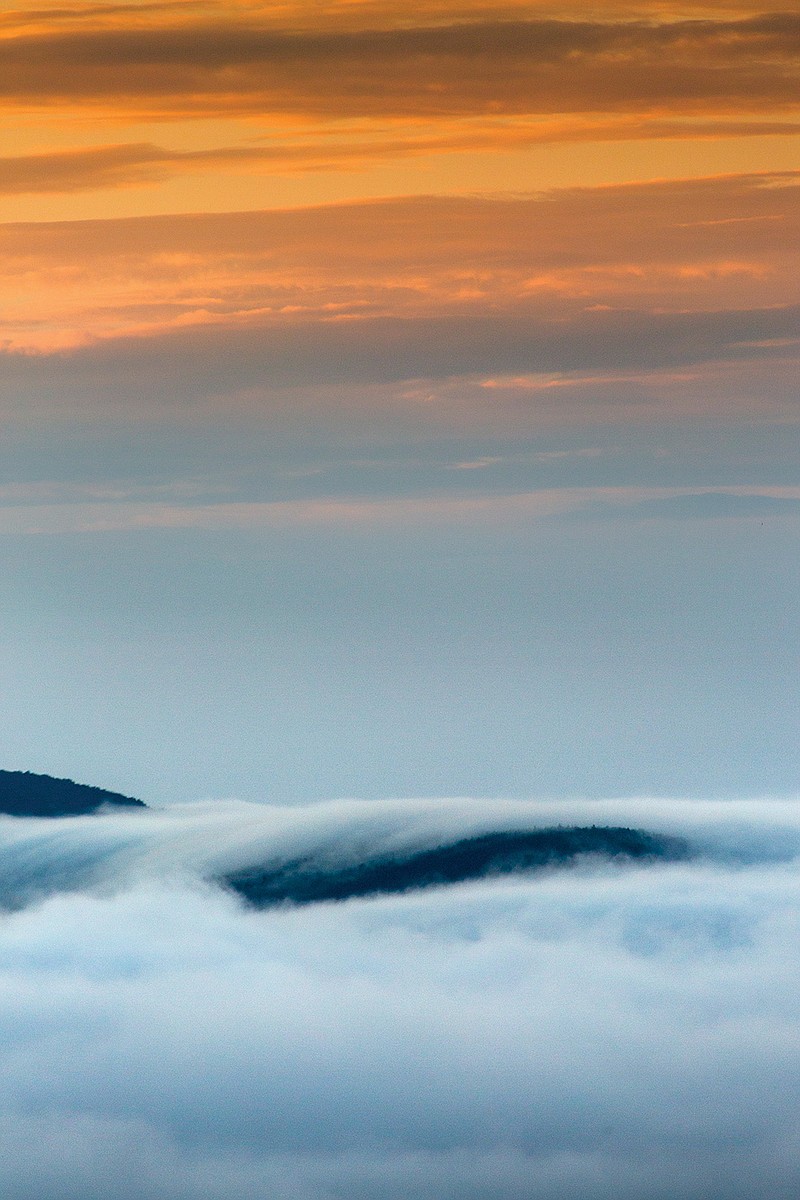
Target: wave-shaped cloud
x=589, y=1033
x=326, y=852
x=216, y=841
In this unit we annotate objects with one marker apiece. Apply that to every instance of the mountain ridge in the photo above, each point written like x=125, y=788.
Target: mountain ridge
x=486, y=856
x=26, y=794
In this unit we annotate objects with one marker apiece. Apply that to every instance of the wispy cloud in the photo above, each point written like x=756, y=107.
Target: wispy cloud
x=217, y=357
x=73, y=515
x=513, y=66
x=667, y=248
x=136, y=164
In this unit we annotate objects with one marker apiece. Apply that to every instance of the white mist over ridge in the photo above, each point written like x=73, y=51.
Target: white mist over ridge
x=586, y=1034
x=209, y=839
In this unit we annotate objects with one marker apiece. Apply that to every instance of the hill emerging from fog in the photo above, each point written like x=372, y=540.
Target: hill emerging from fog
x=309, y=881
x=23, y=794
x=285, y=856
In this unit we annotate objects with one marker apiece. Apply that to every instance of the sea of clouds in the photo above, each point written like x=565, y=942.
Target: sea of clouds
x=600, y=1032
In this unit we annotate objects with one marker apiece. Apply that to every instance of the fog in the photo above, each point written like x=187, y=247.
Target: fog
x=598, y=1031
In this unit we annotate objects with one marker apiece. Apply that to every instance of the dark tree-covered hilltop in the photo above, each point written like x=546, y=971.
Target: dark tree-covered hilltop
x=306, y=881
x=23, y=794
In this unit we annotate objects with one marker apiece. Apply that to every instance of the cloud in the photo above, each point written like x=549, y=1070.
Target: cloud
x=136, y=164
x=216, y=359
x=706, y=505
x=64, y=514
x=676, y=247
x=215, y=841
x=511, y=66
x=351, y=341
x=590, y=1033
x=567, y=226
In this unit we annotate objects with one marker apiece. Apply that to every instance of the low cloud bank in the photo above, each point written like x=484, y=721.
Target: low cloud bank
x=213, y=840
x=589, y=1033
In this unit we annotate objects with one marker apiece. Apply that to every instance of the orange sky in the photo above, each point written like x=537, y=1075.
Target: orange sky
x=401, y=312
x=621, y=157
x=165, y=107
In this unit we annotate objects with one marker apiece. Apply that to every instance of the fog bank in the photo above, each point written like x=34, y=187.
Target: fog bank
x=588, y=1033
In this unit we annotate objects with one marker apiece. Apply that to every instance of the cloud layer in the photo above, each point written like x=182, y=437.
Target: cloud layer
x=205, y=102
x=426, y=286
x=591, y=1033
x=510, y=66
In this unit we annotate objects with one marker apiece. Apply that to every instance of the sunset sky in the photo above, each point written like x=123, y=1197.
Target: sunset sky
x=401, y=399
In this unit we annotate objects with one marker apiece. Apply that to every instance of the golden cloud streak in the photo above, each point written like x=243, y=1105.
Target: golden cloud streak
x=484, y=66
x=680, y=246
x=136, y=164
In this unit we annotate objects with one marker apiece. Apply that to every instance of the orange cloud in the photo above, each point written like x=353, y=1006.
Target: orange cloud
x=486, y=511
x=476, y=66
x=135, y=164
x=680, y=246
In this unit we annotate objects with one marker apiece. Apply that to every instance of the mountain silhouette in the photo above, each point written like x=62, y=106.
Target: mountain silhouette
x=309, y=880
x=23, y=794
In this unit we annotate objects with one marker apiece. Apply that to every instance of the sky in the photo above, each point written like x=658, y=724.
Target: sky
x=400, y=400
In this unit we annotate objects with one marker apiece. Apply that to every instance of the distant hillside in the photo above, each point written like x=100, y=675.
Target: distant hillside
x=308, y=881
x=23, y=794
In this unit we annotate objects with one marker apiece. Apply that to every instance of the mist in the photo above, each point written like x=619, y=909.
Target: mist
x=599, y=1031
